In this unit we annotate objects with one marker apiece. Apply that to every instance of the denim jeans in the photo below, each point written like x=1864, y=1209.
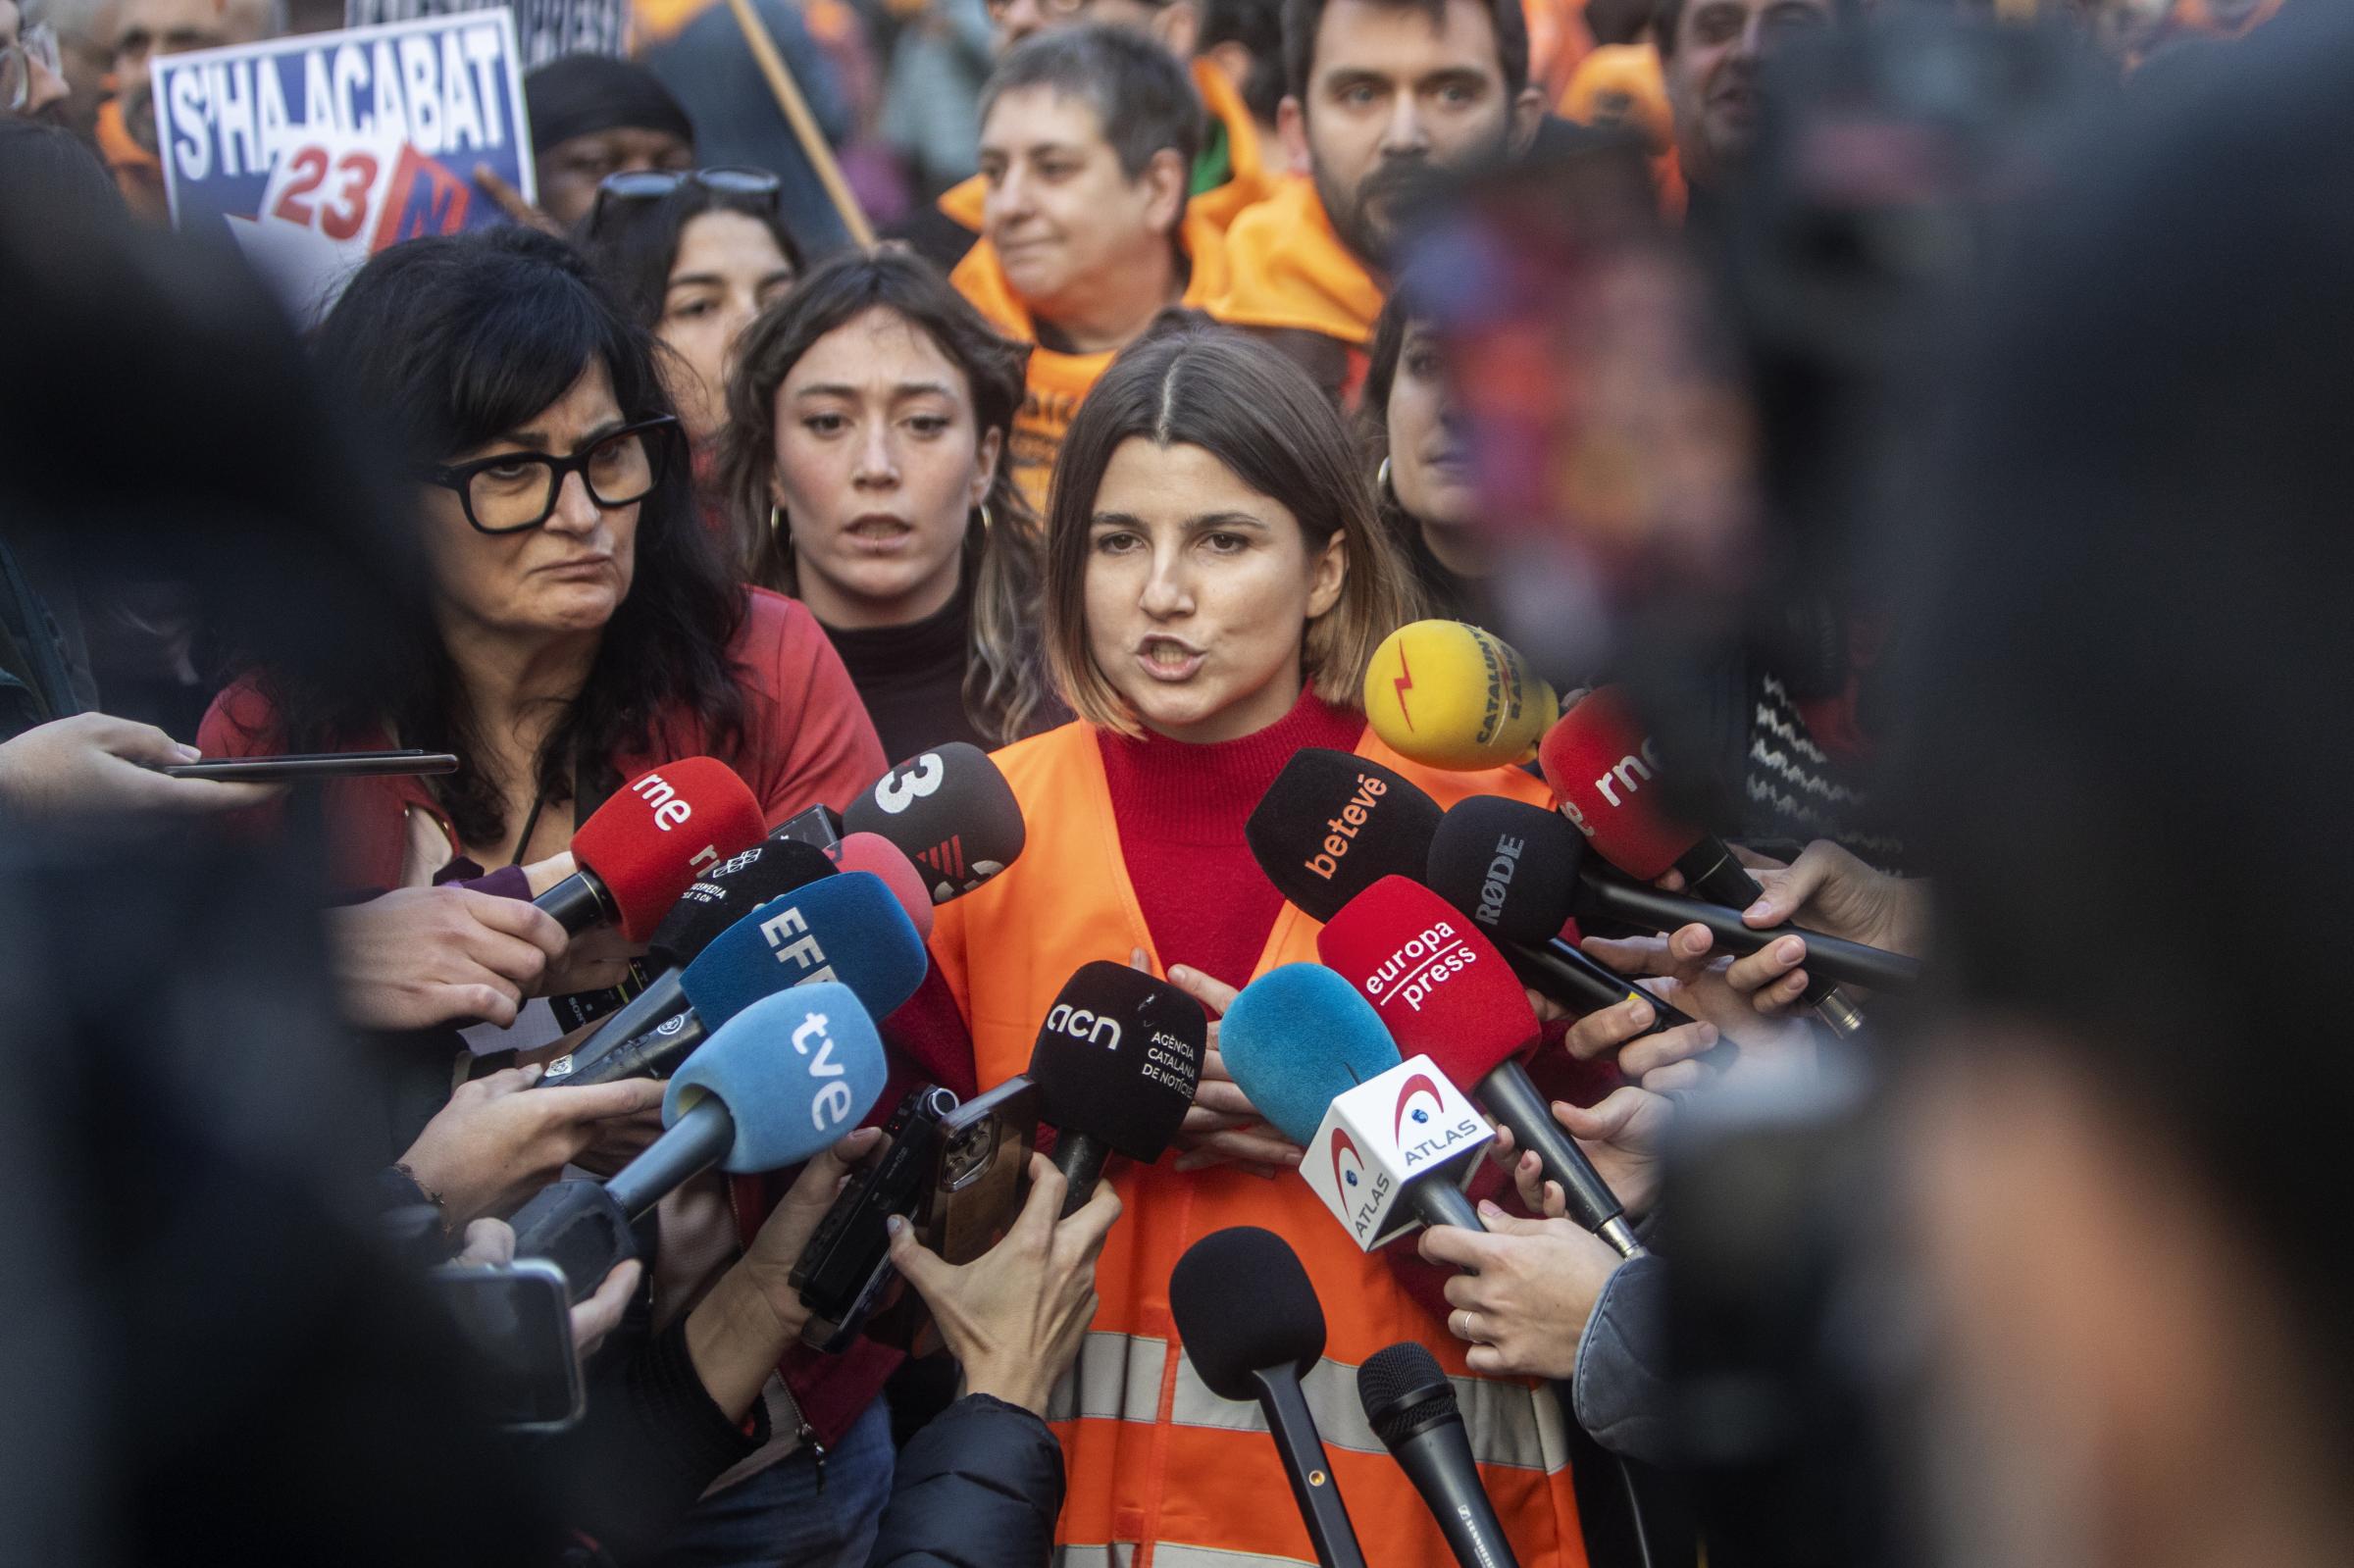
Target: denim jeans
x=779, y=1519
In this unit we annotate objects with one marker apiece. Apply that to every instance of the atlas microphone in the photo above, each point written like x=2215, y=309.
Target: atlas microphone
x=951, y=812
x=1116, y=1063
x=1449, y=695
x=1605, y=771
x=1252, y=1328
x=782, y=1080
x=1411, y=1406
x=1443, y=992
x=639, y=850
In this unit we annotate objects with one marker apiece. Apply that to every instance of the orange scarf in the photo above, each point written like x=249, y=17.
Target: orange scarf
x=1288, y=269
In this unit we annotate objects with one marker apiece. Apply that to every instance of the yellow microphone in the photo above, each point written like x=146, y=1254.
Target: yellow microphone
x=1451, y=695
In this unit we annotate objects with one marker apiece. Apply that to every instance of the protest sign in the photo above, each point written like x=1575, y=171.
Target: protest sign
x=318, y=150
x=545, y=29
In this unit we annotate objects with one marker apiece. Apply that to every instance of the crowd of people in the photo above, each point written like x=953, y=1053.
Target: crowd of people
x=1889, y=431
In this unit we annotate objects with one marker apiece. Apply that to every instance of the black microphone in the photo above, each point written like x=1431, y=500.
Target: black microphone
x=1252, y=1325
x=1413, y=1409
x=950, y=811
x=1116, y=1063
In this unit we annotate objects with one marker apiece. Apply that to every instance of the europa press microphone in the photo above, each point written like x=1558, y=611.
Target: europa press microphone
x=948, y=810
x=1252, y=1328
x=1599, y=761
x=1116, y=1063
x=1449, y=695
x=779, y=1082
x=1443, y=991
x=639, y=850
x=1413, y=1409
x=846, y=927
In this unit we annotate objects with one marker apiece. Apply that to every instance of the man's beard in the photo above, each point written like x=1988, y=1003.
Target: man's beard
x=1398, y=187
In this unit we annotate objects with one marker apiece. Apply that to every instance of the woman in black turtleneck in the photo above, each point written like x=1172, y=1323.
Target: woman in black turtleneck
x=868, y=414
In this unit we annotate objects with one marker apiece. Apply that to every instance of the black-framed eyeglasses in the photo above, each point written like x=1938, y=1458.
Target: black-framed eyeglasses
x=638, y=187
x=516, y=491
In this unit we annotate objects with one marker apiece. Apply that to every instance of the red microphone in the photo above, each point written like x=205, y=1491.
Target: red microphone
x=639, y=852
x=871, y=851
x=1447, y=994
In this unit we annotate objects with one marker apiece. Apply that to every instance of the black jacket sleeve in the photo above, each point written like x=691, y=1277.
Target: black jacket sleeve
x=978, y=1488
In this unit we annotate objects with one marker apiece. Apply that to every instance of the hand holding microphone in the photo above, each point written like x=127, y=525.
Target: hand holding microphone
x=1525, y=1293
x=1222, y=1126
x=639, y=852
x=491, y=1146
x=419, y=957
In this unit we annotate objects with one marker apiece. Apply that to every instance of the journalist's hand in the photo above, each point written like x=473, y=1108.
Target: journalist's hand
x=1223, y=1127
x=595, y=1315
x=1624, y=1135
x=420, y=956
x=493, y=1145
x=1524, y=1305
x=94, y=763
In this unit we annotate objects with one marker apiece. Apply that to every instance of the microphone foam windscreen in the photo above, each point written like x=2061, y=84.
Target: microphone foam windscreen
x=1605, y=771
x=871, y=852
x=719, y=897
x=1296, y=1040
x=1439, y=987
x=1451, y=695
x=846, y=927
x=950, y=811
x=1333, y=823
x=648, y=839
x=1404, y=1389
x=1244, y=1304
x=1118, y=1058
x=796, y=1071
x=1511, y=866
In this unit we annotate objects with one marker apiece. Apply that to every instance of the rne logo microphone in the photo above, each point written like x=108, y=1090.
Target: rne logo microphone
x=831, y=1106
x=1339, y=830
x=1081, y=1023
x=1628, y=773
x=669, y=810
x=804, y=951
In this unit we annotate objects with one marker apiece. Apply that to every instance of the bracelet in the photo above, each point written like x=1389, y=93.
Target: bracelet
x=439, y=1203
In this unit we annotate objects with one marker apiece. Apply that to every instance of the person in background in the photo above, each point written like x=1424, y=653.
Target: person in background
x=932, y=93
x=1711, y=51
x=1244, y=40
x=1086, y=138
x=591, y=118
x=33, y=73
x=143, y=30
x=868, y=418
x=1423, y=481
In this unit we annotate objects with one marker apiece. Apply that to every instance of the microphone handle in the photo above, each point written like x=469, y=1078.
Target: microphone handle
x=1435, y=1200
x=578, y=902
x=1080, y=1157
x=1313, y=1486
x=1575, y=980
x=1710, y=871
x=688, y=1147
x=1438, y=1461
x=1508, y=1096
x=655, y=1053
x=664, y=995
x=1610, y=893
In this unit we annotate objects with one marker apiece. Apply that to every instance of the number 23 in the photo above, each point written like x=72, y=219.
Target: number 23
x=337, y=222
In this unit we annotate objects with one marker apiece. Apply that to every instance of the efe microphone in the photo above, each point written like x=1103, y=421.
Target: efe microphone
x=1413, y=1410
x=1116, y=1063
x=639, y=850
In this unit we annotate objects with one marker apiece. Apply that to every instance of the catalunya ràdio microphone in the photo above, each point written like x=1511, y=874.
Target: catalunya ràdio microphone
x=1446, y=694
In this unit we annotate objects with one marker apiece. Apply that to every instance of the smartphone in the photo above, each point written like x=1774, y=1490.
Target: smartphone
x=844, y=1268
x=317, y=765
x=977, y=1190
x=518, y=1319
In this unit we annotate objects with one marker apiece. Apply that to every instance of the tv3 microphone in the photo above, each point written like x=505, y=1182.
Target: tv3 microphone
x=1252, y=1325
x=639, y=850
x=1116, y=1063
x=1446, y=993
x=1599, y=761
x=782, y=1080
x=950, y=811
x=1412, y=1407
x=1449, y=695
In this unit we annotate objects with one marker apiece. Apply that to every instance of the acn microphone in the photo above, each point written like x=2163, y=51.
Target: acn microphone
x=639, y=850
x=1413, y=1411
x=1116, y=1063
x=1448, y=694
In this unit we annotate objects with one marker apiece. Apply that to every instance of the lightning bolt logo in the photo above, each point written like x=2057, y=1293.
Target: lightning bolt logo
x=1405, y=683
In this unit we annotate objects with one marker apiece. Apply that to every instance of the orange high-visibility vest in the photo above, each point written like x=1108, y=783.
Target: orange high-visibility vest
x=1161, y=1471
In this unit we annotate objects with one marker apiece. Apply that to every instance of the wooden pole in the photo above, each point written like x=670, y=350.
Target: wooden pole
x=805, y=123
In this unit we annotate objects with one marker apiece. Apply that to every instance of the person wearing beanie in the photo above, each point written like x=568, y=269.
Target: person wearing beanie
x=594, y=116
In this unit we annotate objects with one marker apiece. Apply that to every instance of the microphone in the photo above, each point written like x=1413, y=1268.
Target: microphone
x=869, y=851
x=1413, y=1409
x=1453, y=697
x=639, y=850
x=846, y=927
x=1598, y=759
x=1250, y=1321
x=1520, y=871
x=1444, y=993
x=950, y=811
x=1299, y=1038
x=782, y=1080
x=1116, y=1064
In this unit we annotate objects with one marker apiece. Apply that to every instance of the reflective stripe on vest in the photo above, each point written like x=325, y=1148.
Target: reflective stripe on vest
x=1169, y=1554
x=1116, y=1378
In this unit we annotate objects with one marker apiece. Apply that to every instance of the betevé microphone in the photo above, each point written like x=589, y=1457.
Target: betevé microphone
x=1116, y=1063
x=1443, y=991
x=1451, y=695
x=871, y=852
x=1333, y=823
x=774, y=1085
x=1250, y=1324
x=1412, y=1407
x=639, y=850
x=950, y=811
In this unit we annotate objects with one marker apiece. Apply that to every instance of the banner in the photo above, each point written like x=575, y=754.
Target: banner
x=547, y=29
x=318, y=150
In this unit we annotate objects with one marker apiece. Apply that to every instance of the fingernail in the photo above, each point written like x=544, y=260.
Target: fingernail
x=1562, y=1108
x=186, y=752
x=1791, y=951
x=1759, y=910
x=1639, y=1014
x=1489, y=1211
x=895, y=1224
x=1708, y=1034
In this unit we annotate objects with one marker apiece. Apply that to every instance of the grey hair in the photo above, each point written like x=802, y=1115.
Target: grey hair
x=1141, y=96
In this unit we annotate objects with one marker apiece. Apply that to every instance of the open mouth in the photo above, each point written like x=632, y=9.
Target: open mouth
x=1167, y=659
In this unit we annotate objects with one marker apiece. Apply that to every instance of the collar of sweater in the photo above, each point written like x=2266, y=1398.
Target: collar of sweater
x=1201, y=794
x=887, y=654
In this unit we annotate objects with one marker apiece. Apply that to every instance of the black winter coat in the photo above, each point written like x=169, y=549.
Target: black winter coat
x=978, y=1488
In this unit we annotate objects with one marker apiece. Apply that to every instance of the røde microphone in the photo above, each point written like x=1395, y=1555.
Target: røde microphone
x=871, y=852
x=1333, y=823
x=1451, y=695
x=950, y=811
x=1299, y=1037
x=1413, y=1409
x=1252, y=1328
x=1443, y=991
x=777, y=1083
x=1116, y=1063
x=639, y=850
x=1598, y=759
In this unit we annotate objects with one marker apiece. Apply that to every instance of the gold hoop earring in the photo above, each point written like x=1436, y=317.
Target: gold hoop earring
x=987, y=522
x=780, y=528
x=1381, y=482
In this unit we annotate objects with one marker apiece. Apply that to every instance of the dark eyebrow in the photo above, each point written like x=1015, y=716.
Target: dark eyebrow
x=696, y=281
x=1347, y=77
x=1454, y=75
x=903, y=390
x=1198, y=523
x=536, y=440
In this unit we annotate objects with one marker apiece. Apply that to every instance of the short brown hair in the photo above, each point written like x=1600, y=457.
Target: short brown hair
x=1192, y=384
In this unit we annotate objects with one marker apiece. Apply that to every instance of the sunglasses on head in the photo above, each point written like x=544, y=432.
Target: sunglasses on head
x=640, y=188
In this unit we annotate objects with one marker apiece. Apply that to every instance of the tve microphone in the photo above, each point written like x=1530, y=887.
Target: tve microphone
x=1598, y=759
x=1116, y=1063
x=1451, y=695
x=1413, y=1409
x=950, y=811
x=1333, y=823
x=1299, y=1037
x=1252, y=1328
x=1443, y=991
x=868, y=851
x=776, y=1084
x=639, y=850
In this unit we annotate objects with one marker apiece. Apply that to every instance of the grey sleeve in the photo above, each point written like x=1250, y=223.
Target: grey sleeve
x=1619, y=1391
